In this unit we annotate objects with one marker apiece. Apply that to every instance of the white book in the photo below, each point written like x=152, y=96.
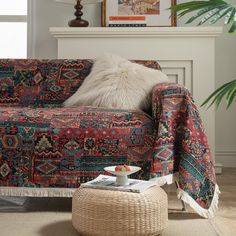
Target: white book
x=109, y=183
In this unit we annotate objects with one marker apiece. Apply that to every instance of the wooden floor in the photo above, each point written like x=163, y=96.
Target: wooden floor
x=226, y=217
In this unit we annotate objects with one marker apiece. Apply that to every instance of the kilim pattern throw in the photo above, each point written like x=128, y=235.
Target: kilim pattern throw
x=46, y=146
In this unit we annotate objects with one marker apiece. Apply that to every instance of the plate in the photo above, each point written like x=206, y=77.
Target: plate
x=111, y=169
x=122, y=176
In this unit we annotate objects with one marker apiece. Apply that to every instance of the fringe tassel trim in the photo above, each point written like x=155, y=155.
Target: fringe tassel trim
x=68, y=192
x=36, y=192
x=184, y=196
x=167, y=179
x=206, y=213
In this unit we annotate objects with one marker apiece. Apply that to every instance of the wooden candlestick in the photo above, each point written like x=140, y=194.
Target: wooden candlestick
x=78, y=22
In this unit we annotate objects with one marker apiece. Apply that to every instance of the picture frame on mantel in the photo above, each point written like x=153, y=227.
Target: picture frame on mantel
x=151, y=12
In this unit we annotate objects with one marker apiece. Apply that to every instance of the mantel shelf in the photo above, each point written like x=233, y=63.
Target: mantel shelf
x=144, y=32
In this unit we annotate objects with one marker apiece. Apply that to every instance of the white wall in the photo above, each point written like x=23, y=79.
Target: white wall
x=47, y=14
x=226, y=119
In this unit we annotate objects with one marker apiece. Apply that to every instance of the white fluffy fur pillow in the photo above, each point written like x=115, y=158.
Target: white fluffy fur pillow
x=115, y=82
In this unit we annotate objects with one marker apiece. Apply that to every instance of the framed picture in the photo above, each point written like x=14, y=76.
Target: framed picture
x=145, y=12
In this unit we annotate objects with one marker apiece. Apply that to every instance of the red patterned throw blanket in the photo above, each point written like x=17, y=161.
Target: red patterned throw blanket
x=48, y=150
x=181, y=150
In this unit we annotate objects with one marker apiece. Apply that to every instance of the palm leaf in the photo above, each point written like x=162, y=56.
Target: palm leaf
x=210, y=14
x=231, y=98
x=222, y=13
x=213, y=95
x=200, y=13
x=233, y=27
x=231, y=94
x=212, y=10
x=219, y=95
x=227, y=90
x=230, y=17
x=196, y=5
x=185, y=8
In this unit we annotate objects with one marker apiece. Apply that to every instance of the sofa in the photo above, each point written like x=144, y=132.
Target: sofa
x=49, y=150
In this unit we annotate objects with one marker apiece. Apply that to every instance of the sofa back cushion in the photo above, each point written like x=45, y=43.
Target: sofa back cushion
x=40, y=83
x=44, y=83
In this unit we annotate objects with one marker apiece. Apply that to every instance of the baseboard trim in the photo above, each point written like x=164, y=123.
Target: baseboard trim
x=226, y=158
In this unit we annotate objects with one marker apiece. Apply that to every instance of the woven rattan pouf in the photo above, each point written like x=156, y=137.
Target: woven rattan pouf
x=97, y=212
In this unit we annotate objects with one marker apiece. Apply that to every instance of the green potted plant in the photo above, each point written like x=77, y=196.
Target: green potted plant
x=212, y=11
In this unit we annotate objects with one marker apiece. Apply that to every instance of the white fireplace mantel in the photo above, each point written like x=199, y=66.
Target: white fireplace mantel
x=186, y=54
x=146, y=32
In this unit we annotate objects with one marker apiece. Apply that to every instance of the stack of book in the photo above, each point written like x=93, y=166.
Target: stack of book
x=109, y=183
x=127, y=21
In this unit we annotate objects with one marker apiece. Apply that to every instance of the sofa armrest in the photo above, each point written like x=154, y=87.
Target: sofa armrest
x=181, y=149
x=179, y=129
x=165, y=92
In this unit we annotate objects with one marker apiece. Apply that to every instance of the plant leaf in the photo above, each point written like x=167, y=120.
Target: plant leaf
x=231, y=99
x=219, y=97
x=229, y=18
x=200, y=13
x=233, y=27
x=231, y=93
x=228, y=90
x=214, y=94
x=211, y=8
x=231, y=87
x=222, y=13
x=209, y=15
x=188, y=7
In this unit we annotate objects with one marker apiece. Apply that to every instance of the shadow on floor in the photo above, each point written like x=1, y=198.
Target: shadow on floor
x=60, y=228
x=30, y=204
x=183, y=216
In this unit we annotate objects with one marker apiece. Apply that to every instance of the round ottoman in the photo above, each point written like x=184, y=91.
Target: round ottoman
x=97, y=212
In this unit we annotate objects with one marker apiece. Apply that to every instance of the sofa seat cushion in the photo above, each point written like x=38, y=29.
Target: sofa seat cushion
x=62, y=147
